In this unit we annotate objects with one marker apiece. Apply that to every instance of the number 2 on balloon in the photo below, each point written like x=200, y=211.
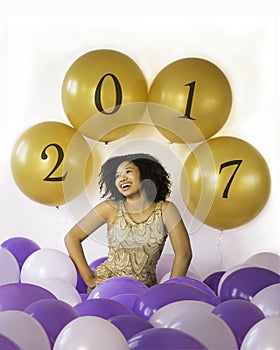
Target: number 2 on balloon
x=60, y=156
x=236, y=162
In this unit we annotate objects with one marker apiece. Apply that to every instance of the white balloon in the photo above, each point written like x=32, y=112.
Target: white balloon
x=62, y=290
x=9, y=268
x=268, y=300
x=266, y=260
x=166, y=314
x=88, y=333
x=264, y=335
x=166, y=277
x=48, y=263
x=164, y=266
x=24, y=330
x=206, y=327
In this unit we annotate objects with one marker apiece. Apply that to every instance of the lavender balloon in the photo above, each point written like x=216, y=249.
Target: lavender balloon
x=206, y=327
x=9, y=269
x=268, y=300
x=264, y=335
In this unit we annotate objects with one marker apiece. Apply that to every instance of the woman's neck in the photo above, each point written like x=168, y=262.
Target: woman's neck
x=139, y=204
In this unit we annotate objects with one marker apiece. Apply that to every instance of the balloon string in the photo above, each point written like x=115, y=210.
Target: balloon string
x=170, y=144
x=58, y=227
x=219, y=244
x=107, y=149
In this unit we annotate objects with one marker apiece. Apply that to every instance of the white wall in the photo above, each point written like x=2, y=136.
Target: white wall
x=41, y=47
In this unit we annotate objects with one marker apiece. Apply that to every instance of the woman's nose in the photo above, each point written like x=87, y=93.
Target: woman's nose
x=123, y=176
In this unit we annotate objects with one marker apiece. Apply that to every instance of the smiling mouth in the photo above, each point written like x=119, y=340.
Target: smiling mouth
x=125, y=186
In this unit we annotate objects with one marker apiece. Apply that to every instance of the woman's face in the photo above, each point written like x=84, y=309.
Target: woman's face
x=128, y=179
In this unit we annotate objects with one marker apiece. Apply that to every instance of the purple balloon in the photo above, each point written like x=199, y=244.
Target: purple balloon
x=164, y=338
x=197, y=284
x=213, y=280
x=128, y=299
x=104, y=308
x=130, y=325
x=8, y=344
x=240, y=315
x=21, y=248
x=117, y=285
x=81, y=285
x=17, y=296
x=53, y=315
x=162, y=294
x=246, y=282
x=95, y=263
x=83, y=296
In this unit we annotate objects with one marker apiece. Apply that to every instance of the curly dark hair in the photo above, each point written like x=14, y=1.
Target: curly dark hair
x=150, y=169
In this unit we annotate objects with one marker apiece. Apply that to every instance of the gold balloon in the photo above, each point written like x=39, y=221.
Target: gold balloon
x=225, y=182
x=51, y=163
x=104, y=94
x=190, y=100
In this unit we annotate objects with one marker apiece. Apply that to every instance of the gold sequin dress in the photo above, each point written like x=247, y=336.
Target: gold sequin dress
x=134, y=248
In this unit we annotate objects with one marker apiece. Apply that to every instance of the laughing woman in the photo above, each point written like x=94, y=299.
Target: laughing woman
x=139, y=219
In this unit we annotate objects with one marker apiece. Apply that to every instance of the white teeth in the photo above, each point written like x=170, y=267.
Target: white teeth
x=124, y=185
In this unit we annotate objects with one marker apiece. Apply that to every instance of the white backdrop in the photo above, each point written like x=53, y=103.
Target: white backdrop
x=40, y=48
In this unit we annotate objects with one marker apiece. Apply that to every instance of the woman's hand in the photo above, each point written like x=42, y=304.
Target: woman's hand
x=92, y=282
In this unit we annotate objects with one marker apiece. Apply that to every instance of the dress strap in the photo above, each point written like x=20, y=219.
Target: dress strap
x=121, y=208
x=159, y=206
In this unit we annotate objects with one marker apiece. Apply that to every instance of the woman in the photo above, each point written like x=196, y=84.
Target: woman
x=139, y=219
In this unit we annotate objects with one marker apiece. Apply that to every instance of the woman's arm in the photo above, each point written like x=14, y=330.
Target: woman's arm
x=73, y=240
x=179, y=240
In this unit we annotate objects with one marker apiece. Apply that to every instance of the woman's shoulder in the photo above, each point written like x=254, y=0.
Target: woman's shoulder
x=168, y=205
x=169, y=210
x=107, y=208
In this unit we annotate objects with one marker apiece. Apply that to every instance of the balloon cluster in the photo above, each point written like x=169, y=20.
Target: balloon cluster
x=43, y=305
x=225, y=181
x=104, y=95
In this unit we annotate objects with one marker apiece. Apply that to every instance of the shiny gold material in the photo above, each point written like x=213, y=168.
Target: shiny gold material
x=104, y=94
x=51, y=163
x=190, y=100
x=225, y=182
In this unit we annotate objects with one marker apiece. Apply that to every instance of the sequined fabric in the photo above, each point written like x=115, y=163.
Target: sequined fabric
x=134, y=248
